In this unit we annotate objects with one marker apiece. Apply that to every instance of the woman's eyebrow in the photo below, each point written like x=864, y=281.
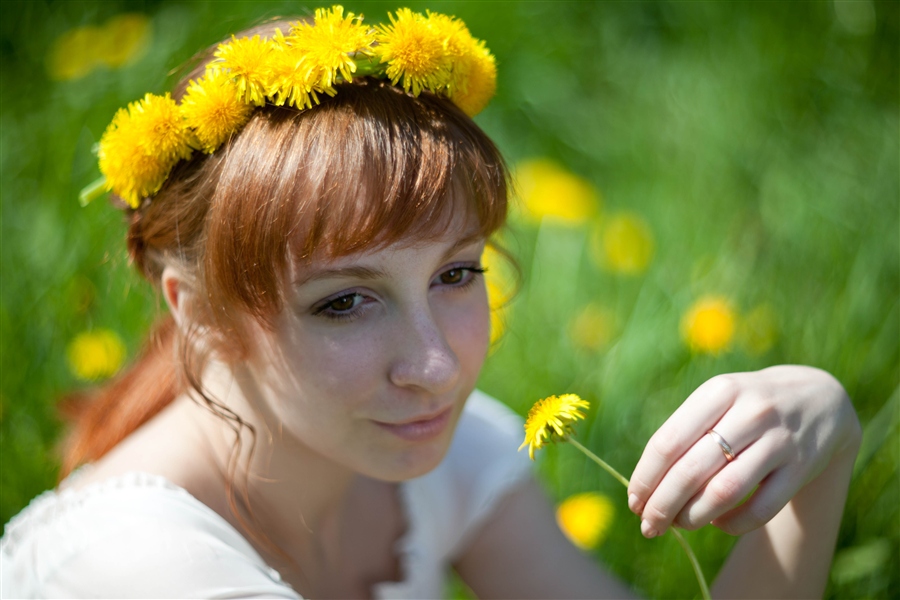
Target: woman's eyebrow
x=354, y=271
x=466, y=240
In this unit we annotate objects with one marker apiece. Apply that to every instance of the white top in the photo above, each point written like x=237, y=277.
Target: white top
x=139, y=535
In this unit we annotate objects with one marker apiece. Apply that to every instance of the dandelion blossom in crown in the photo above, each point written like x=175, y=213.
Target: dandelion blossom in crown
x=551, y=417
x=332, y=43
x=414, y=50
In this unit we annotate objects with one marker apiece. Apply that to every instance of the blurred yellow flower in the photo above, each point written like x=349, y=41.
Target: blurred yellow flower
x=550, y=418
x=592, y=328
x=585, y=518
x=709, y=325
x=79, y=51
x=758, y=331
x=623, y=243
x=96, y=354
x=123, y=40
x=501, y=286
x=548, y=190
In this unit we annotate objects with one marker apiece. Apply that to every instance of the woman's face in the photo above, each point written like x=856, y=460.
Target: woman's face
x=375, y=353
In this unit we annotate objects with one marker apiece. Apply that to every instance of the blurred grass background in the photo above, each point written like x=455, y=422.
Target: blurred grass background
x=703, y=188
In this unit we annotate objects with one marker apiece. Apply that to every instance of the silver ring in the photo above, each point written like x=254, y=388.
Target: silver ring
x=726, y=448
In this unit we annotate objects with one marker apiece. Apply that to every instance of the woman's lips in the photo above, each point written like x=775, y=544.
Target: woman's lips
x=419, y=431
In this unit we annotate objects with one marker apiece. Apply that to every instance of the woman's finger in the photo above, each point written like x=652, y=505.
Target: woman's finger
x=693, y=470
x=694, y=417
x=766, y=502
x=725, y=490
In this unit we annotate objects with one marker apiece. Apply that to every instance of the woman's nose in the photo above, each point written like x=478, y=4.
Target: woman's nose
x=424, y=358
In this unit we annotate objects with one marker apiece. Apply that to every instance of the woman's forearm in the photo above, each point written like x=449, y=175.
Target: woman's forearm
x=790, y=556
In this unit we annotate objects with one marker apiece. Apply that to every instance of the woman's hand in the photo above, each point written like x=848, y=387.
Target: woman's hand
x=785, y=424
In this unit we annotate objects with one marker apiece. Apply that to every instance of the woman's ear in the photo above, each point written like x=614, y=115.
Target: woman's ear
x=178, y=294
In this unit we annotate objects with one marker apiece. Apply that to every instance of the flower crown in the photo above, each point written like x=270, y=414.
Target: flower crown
x=431, y=52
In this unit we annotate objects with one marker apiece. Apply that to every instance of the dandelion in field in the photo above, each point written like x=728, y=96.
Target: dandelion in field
x=547, y=190
x=96, y=354
x=79, y=51
x=73, y=55
x=124, y=39
x=592, y=328
x=551, y=418
x=623, y=244
x=585, y=518
x=709, y=325
x=501, y=286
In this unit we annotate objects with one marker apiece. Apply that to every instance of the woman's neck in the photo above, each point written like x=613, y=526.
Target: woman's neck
x=283, y=489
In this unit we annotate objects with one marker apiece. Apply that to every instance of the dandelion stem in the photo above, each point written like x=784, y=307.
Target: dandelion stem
x=92, y=191
x=606, y=467
x=704, y=588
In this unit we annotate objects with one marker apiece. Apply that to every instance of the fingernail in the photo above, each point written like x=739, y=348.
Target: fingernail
x=647, y=529
x=634, y=503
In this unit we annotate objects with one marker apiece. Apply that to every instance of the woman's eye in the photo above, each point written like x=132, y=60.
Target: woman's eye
x=344, y=303
x=452, y=276
x=342, y=307
x=459, y=276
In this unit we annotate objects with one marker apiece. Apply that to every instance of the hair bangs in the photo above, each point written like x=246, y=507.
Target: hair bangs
x=367, y=168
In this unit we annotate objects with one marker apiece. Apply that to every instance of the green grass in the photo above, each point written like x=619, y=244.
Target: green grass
x=759, y=142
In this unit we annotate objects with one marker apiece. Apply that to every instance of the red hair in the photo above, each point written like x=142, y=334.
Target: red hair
x=366, y=168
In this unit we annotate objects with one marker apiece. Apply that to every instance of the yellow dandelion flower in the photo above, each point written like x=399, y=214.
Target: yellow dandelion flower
x=475, y=80
x=547, y=190
x=550, y=418
x=213, y=110
x=414, y=52
x=141, y=145
x=592, y=328
x=161, y=125
x=709, y=325
x=73, y=54
x=96, y=354
x=290, y=78
x=246, y=59
x=623, y=243
x=331, y=42
x=585, y=518
x=473, y=70
x=123, y=39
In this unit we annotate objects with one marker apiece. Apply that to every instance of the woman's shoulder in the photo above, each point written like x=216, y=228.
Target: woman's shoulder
x=133, y=535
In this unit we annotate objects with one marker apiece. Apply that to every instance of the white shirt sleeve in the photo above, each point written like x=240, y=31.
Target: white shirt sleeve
x=137, y=536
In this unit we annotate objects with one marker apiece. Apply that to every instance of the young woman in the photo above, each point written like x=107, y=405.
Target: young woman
x=305, y=422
